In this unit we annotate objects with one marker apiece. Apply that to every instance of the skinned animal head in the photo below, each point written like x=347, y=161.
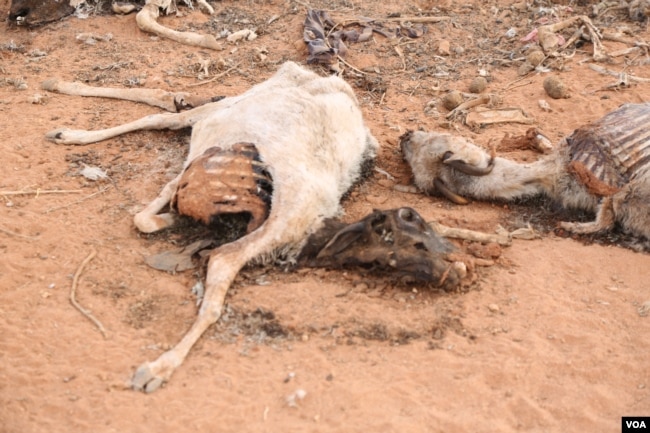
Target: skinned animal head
x=396, y=242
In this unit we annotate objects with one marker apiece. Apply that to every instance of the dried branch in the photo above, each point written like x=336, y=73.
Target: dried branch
x=38, y=192
x=52, y=209
x=630, y=77
x=73, y=292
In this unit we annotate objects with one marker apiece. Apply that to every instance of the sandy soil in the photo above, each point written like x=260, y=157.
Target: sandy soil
x=549, y=340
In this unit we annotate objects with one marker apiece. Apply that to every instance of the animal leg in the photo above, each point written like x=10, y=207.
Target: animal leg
x=605, y=219
x=150, y=375
x=173, y=102
x=154, y=121
x=225, y=262
x=149, y=220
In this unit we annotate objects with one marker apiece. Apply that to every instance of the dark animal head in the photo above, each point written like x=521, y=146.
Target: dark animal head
x=397, y=242
x=36, y=12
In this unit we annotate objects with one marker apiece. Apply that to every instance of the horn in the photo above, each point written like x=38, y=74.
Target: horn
x=444, y=190
x=464, y=167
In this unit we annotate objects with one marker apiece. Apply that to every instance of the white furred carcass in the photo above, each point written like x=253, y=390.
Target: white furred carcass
x=603, y=167
x=311, y=139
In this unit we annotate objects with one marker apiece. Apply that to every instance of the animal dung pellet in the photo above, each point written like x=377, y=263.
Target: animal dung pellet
x=525, y=68
x=452, y=100
x=535, y=58
x=555, y=87
x=478, y=85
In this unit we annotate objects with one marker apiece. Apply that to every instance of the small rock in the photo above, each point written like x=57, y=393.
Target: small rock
x=494, y=308
x=544, y=105
x=296, y=396
x=444, y=48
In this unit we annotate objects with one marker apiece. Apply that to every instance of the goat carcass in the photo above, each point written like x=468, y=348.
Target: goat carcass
x=603, y=167
x=300, y=140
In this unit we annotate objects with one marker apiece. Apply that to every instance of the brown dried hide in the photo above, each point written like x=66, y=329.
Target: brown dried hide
x=396, y=242
x=37, y=12
x=225, y=182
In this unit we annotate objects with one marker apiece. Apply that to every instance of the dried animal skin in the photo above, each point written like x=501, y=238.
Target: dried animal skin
x=225, y=182
x=615, y=148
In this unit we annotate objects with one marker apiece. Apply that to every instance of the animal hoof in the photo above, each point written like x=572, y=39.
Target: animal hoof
x=57, y=136
x=145, y=380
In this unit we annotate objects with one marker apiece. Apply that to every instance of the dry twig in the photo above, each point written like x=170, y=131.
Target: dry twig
x=38, y=192
x=604, y=71
x=216, y=77
x=73, y=292
x=52, y=209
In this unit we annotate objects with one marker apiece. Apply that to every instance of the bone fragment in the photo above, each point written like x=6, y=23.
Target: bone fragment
x=470, y=235
x=158, y=98
x=147, y=21
x=504, y=115
x=481, y=100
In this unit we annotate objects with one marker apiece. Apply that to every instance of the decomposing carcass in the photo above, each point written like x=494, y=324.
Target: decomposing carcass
x=603, y=167
x=283, y=154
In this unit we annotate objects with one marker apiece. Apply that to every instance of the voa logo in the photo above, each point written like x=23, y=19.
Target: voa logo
x=635, y=424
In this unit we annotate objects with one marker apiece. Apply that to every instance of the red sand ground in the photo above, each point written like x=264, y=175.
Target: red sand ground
x=551, y=340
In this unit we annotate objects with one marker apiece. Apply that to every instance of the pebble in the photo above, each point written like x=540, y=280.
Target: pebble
x=493, y=308
x=444, y=48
